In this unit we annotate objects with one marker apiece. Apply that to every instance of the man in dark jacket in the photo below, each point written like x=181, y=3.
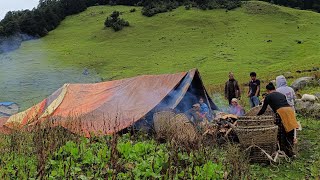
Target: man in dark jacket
x=231, y=89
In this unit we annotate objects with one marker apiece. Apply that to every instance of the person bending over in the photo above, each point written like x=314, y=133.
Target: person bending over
x=285, y=118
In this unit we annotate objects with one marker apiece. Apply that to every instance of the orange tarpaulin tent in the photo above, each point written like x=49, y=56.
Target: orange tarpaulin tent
x=108, y=107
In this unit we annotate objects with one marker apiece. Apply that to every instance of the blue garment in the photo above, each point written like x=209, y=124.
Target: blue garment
x=204, y=108
x=6, y=103
x=236, y=110
x=254, y=101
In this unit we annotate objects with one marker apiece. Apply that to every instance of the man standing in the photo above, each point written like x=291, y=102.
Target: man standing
x=284, y=89
x=254, y=90
x=231, y=89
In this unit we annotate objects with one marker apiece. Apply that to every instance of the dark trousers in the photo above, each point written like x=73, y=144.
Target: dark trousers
x=285, y=138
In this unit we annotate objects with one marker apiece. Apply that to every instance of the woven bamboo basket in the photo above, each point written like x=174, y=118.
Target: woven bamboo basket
x=161, y=123
x=254, y=111
x=245, y=121
x=182, y=130
x=256, y=155
x=257, y=135
x=255, y=117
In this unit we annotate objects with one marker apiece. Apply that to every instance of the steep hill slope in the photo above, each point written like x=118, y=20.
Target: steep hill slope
x=257, y=37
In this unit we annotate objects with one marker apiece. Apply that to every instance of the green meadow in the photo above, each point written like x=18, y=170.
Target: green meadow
x=214, y=41
x=261, y=37
x=256, y=37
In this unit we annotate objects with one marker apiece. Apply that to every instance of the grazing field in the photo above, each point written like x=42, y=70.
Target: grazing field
x=259, y=37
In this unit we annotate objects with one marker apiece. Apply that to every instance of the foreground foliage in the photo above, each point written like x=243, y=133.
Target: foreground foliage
x=47, y=155
x=106, y=157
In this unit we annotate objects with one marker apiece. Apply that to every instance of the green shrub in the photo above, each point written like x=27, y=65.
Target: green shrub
x=133, y=10
x=115, y=22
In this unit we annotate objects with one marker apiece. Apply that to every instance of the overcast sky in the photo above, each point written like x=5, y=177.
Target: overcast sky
x=11, y=5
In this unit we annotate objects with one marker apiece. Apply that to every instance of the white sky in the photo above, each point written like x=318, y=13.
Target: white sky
x=12, y=5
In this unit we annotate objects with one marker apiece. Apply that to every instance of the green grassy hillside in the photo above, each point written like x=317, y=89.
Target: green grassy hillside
x=214, y=41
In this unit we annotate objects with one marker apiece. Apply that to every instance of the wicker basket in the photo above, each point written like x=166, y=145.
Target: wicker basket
x=257, y=135
x=254, y=111
x=262, y=121
x=255, y=117
x=161, y=123
x=177, y=127
x=259, y=131
x=182, y=130
x=256, y=155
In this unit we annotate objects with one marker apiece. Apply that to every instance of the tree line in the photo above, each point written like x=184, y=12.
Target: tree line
x=299, y=4
x=40, y=20
x=49, y=13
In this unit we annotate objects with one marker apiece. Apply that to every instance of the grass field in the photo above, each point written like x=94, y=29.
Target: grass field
x=215, y=41
x=256, y=37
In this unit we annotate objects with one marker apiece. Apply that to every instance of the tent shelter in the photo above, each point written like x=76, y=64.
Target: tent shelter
x=108, y=107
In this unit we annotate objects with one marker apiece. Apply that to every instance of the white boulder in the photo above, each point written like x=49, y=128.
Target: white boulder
x=309, y=97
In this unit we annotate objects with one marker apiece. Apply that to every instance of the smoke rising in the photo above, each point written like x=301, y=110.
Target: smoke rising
x=11, y=43
x=28, y=80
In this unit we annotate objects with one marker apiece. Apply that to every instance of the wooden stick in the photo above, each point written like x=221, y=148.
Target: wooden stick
x=230, y=129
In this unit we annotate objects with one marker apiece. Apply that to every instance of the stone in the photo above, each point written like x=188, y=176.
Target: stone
x=309, y=97
x=286, y=74
x=302, y=82
x=314, y=110
x=315, y=69
x=301, y=106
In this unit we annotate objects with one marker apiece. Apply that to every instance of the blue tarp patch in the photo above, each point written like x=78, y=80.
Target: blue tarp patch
x=6, y=103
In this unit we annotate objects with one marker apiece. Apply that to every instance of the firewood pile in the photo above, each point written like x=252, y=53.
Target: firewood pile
x=178, y=128
x=252, y=132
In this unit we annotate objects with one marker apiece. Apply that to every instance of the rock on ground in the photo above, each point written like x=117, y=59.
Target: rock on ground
x=302, y=82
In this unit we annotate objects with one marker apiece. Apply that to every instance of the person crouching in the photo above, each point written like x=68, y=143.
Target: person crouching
x=235, y=108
